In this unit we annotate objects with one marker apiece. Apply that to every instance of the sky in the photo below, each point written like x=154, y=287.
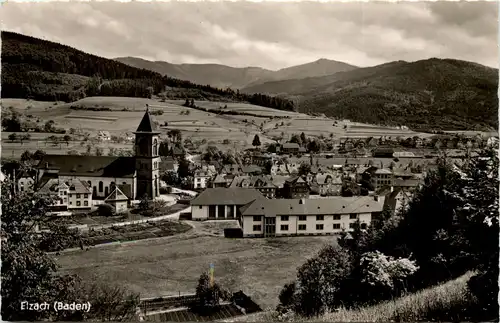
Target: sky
x=271, y=35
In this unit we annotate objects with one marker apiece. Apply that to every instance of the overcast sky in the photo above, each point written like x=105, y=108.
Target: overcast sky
x=269, y=35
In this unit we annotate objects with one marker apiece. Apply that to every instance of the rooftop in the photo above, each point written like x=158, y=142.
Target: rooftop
x=147, y=124
x=227, y=196
x=99, y=166
x=325, y=206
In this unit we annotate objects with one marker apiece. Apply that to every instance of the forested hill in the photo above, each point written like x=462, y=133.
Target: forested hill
x=43, y=70
x=445, y=94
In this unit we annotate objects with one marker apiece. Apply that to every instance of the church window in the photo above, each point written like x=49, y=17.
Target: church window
x=100, y=187
x=155, y=147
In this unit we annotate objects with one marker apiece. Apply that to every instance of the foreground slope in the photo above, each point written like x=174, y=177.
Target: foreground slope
x=434, y=93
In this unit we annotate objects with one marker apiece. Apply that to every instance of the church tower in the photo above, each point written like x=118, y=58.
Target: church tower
x=147, y=158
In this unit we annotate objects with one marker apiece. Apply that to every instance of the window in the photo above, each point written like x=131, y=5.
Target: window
x=65, y=200
x=77, y=196
x=86, y=203
x=319, y=227
x=351, y=225
x=302, y=227
x=353, y=216
x=100, y=187
x=257, y=228
x=70, y=203
x=65, y=192
x=363, y=226
x=70, y=195
x=257, y=218
x=284, y=218
x=200, y=207
x=78, y=203
x=336, y=226
x=284, y=227
x=124, y=183
x=155, y=147
x=320, y=217
x=86, y=196
x=336, y=216
x=302, y=217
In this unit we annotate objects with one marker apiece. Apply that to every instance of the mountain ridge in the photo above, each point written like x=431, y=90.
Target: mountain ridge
x=222, y=76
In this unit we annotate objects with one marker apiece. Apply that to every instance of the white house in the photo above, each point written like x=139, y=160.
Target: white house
x=104, y=135
x=222, y=203
x=290, y=217
x=69, y=195
x=201, y=179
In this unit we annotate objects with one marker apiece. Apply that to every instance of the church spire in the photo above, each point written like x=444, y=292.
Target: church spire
x=147, y=124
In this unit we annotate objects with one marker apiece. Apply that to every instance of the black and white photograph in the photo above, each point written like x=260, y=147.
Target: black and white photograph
x=249, y=161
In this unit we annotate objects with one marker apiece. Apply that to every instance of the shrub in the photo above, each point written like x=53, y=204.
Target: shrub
x=105, y=210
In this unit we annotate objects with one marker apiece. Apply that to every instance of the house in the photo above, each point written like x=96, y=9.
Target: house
x=381, y=177
x=398, y=199
x=222, y=203
x=293, y=217
x=295, y=187
x=69, y=195
x=383, y=152
x=406, y=184
x=233, y=169
x=103, y=135
x=118, y=200
x=265, y=186
x=26, y=181
x=290, y=148
x=168, y=164
x=201, y=179
x=178, y=152
x=328, y=184
x=251, y=170
x=347, y=145
x=219, y=181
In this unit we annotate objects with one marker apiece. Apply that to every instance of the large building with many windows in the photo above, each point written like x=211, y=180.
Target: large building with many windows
x=293, y=217
x=137, y=175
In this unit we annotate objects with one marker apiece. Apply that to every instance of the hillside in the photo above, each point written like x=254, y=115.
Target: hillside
x=47, y=71
x=225, y=76
x=433, y=93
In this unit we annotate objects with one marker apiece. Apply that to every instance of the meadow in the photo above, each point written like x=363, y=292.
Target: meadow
x=167, y=266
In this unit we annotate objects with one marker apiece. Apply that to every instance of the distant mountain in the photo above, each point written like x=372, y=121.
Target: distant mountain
x=433, y=93
x=223, y=76
x=43, y=70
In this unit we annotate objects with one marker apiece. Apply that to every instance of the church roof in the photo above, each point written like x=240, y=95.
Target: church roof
x=147, y=124
x=98, y=166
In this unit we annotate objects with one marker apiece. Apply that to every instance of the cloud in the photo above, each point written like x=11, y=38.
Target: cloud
x=267, y=34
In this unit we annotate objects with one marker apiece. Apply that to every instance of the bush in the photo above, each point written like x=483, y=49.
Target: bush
x=105, y=210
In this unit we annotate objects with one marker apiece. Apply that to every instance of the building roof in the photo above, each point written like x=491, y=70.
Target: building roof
x=383, y=171
x=405, y=182
x=291, y=145
x=227, y=196
x=126, y=190
x=251, y=169
x=116, y=195
x=98, y=166
x=325, y=206
x=52, y=185
x=147, y=124
x=219, y=179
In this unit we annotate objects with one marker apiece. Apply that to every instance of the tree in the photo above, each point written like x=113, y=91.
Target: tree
x=24, y=137
x=303, y=138
x=313, y=146
x=98, y=151
x=30, y=274
x=67, y=139
x=26, y=156
x=184, y=170
x=304, y=169
x=256, y=141
x=49, y=126
x=171, y=178
x=268, y=166
x=296, y=139
x=208, y=295
x=39, y=154
x=13, y=137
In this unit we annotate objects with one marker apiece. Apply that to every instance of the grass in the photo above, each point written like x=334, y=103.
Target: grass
x=258, y=267
x=443, y=302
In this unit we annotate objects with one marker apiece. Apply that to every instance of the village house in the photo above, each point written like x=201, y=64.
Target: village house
x=328, y=184
x=383, y=152
x=222, y=203
x=290, y=148
x=398, y=199
x=293, y=217
x=219, y=181
x=168, y=164
x=201, y=179
x=295, y=187
x=72, y=194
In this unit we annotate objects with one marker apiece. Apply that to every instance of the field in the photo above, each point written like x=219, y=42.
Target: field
x=225, y=131
x=167, y=266
x=432, y=304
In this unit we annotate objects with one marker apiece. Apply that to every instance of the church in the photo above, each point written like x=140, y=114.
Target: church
x=134, y=176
